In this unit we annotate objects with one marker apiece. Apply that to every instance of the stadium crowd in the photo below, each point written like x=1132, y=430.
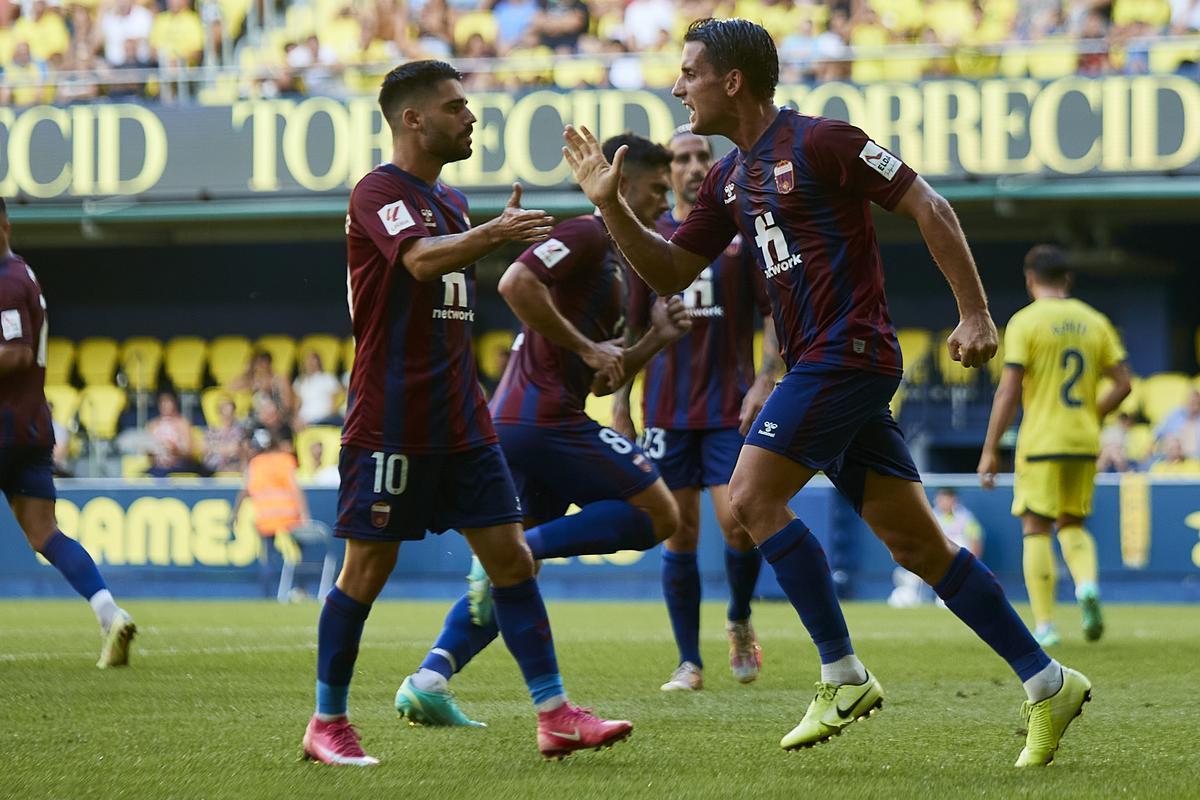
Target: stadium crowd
x=77, y=50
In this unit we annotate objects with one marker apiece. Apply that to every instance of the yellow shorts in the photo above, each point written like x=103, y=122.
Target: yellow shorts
x=1054, y=487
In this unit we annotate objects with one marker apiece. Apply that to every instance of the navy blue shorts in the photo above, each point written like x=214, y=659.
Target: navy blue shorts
x=392, y=496
x=555, y=467
x=836, y=421
x=690, y=458
x=27, y=472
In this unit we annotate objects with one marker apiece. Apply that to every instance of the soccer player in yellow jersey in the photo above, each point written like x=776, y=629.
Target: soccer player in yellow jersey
x=1055, y=351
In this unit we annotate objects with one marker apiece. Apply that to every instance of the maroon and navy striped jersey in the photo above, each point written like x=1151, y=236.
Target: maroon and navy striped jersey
x=545, y=384
x=414, y=387
x=699, y=381
x=801, y=199
x=24, y=415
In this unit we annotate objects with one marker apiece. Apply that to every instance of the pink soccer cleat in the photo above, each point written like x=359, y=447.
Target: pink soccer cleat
x=745, y=656
x=569, y=728
x=335, y=742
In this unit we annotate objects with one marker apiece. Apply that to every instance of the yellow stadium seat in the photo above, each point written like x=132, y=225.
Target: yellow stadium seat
x=185, y=358
x=1163, y=393
x=210, y=404
x=64, y=403
x=97, y=360
x=490, y=349
x=1165, y=57
x=141, y=358
x=1054, y=58
x=1155, y=13
x=135, y=466
x=60, y=357
x=915, y=346
x=228, y=357
x=1139, y=442
x=283, y=352
x=1132, y=404
x=870, y=38
x=660, y=70
x=1014, y=62
x=300, y=22
x=330, y=437
x=475, y=22
x=571, y=73
x=529, y=64
x=348, y=354
x=325, y=345
x=100, y=409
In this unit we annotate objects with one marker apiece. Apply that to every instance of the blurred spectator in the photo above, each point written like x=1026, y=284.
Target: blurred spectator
x=513, y=19
x=317, y=393
x=1185, y=16
x=560, y=24
x=172, y=436
x=648, y=24
x=1114, y=446
x=959, y=526
x=177, y=35
x=25, y=78
x=625, y=71
x=224, y=443
x=326, y=475
x=1092, y=36
x=435, y=30
x=264, y=384
x=43, y=30
x=798, y=54
x=131, y=62
x=1175, y=460
x=317, y=67
x=832, y=46
x=123, y=22
x=78, y=82
x=269, y=417
x=1183, y=424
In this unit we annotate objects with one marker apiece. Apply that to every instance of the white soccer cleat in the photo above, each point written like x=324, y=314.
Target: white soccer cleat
x=115, y=650
x=687, y=677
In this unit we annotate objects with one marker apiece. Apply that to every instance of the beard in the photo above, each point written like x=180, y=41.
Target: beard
x=447, y=147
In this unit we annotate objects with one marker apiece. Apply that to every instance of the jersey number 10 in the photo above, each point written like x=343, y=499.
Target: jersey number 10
x=386, y=477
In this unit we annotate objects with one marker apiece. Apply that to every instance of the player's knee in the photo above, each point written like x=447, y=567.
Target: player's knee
x=516, y=567
x=738, y=539
x=745, y=505
x=664, y=516
x=927, y=557
x=686, y=537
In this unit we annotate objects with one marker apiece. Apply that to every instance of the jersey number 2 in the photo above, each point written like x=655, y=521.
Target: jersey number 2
x=1072, y=361
x=386, y=469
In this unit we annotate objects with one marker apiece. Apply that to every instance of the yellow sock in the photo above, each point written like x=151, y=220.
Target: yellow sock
x=1079, y=551
x=1040, y=574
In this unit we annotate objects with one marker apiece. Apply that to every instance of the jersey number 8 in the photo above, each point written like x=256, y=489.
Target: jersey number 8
x=385, y=472
x=616, y=441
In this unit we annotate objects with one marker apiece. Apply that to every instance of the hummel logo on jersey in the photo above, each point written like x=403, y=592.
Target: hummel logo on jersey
x=768, y=429
x=880, y=160
x=776, y=256
x=427, y=214
x=570, y=737
x=551, y=252
x=729, y=196
x=395, y=217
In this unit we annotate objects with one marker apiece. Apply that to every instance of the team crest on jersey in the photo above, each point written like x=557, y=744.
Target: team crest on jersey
x=729, y=196
x=785, y=177
x=734, y=247
x=380, y=514
x=395, y=217
x=880, y=160
x=551, y=252
x=427, y=214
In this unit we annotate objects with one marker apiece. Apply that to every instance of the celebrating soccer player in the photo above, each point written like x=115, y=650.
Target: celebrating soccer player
x=26, y=442
x=800, y=189
x=570, y=293
x=701, y=394
x=419, y=450
x=1055, y=350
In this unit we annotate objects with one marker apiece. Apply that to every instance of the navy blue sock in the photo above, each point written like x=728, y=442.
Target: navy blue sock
x=69, y=558
x=681, y=590
x=521, y=616
x=460, y=640
x=741, y=570
x=972, y=592
x=602, y=527
x=338, y=633
x=803, y=573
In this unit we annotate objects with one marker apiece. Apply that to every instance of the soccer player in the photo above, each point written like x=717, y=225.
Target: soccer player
x=1055, y=350
x=800, y=189
x=419, y=450
x=701, y=394
x=26, y=442
x=569, y=292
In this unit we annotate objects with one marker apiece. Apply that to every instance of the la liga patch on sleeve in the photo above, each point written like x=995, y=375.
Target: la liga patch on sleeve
x=880, y=160
x=551, y=252
x=10, y=322
x=396, y=217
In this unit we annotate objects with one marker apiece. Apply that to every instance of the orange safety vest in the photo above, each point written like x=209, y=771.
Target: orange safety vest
x=271, y=484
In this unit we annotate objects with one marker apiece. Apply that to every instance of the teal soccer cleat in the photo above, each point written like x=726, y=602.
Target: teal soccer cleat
x=431, y=708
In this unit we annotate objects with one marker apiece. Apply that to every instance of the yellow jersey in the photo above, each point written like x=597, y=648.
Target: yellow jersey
x=1064, y=346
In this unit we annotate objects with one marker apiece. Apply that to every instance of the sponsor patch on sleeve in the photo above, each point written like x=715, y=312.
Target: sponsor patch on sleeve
x=880, y=160
x=10, y=323
x=551, y=252
x=396, y=217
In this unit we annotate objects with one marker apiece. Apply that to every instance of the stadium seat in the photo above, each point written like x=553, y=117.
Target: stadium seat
x=1054, y=58
x=1139, y=443
x=1132, y=404
x=1163, y=393
x=184, y=360
x=141, y=359
x=100, y=408
x=135, y=466
x=1155, y=13
x=283, y=352
x=330, y=436
x=571, y=73
x=60, y=357
x=64, y=403
x=348, y=354
x=1166, y=57
x=475, y=22
x=326, y=345
x=659, y=70
x=300, y=22
x=96, y=360
x=490, y=349
x=210, y=402
x=916, y=346
x=228, y=357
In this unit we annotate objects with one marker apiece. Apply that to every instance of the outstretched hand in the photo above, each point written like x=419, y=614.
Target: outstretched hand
x=516, y=224
x=598, y=179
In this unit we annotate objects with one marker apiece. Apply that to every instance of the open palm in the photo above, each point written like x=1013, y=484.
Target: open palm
x=598, y=179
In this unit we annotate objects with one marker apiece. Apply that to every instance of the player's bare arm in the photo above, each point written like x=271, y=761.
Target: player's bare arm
x=430, y=257
x=622, y=413
x=764, y=381
x=667, y=268
x=1121, y=387
x=975, y=340
x=1004, y=411
x=15, y=357
x=669, y=322
x=530, y=300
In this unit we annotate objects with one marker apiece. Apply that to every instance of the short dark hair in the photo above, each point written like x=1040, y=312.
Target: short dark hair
x=950, y=490
x=642, y=153
x=409, y=80
x=739, y=44
x=1048, y=263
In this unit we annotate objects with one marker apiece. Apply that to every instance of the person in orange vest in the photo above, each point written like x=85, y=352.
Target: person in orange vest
x=279, y=505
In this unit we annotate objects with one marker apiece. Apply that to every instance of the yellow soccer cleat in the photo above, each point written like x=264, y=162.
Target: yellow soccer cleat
x=832, y=709
x=1047, y=720
x=114, y=652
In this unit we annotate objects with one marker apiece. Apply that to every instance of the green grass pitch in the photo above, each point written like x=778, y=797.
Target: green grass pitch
x=219, y=693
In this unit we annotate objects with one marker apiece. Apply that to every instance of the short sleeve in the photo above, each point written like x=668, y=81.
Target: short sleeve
x=575, y=245
x=16, y=322
x=1016, y=343
x=846, y=159
x=387, y=220
x=709, y=228
x=1114, y=351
